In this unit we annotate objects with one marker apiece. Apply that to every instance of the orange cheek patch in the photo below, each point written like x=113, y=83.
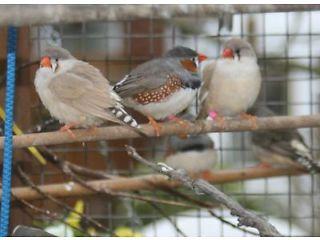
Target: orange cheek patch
x=172, y=85
x=45, y=62
x=189, y=65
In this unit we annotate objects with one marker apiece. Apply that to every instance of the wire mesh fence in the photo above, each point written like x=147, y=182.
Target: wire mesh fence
x=286, y=44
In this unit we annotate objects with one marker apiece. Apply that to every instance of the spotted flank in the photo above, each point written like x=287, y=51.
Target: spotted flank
x=124, y=117
x=172, y=85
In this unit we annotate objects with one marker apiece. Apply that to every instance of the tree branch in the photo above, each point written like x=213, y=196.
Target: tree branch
x=146, y=182
x=119, y=132
x=245, y=217
x=25, y=178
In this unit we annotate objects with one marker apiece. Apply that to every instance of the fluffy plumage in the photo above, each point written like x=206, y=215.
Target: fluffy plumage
x=195, y=154
x=159, y=82
x=77, y=93
x=232, y=82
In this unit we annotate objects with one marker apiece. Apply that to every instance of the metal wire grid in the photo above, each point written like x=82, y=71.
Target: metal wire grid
x=95, y=42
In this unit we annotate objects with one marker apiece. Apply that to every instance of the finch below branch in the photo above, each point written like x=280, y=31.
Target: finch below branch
x=198, y=127
x=245, y=217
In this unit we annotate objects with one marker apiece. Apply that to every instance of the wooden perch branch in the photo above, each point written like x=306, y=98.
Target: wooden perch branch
x=245, y=217
x=145, y=182
x=118, y=132
x=20, y=15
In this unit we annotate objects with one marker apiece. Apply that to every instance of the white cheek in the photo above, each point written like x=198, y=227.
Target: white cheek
x=197, y=62
x=54, y=66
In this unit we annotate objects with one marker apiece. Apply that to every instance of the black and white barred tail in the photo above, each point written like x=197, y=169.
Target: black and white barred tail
x=124, y=117
x=313, y=166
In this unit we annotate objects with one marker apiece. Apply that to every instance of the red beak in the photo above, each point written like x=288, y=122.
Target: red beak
x=45, y=62
x=202, y=57
x=227, y=53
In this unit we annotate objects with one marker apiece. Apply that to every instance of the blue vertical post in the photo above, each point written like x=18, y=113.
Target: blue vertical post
x=7, y=152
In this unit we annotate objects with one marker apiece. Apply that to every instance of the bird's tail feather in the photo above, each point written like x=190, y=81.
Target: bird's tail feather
x=311, y=165
x=127, y=120
x=124, y=117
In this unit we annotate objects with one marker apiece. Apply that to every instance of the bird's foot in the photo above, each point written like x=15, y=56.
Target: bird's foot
x=251, y=118
x=218, y=119
x=206, y=175
x=183, y=123
x=92, y=130
x=263, y=165
x=67, y=128
x=155, y=125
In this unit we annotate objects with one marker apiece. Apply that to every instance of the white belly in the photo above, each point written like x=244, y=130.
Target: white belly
x=193, y=161
x=173, y=105
x=60, y=111
x=234, y=87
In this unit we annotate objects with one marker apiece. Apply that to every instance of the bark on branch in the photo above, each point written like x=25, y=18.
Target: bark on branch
x=146, y=182
x=203, y=126
x=245, y=217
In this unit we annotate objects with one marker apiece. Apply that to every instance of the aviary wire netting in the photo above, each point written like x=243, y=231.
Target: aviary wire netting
x=287, y=46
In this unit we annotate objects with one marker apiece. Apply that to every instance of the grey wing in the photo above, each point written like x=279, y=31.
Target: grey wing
x=288, y=143
x=148, y=76
x=83, y=94
x=206, y=75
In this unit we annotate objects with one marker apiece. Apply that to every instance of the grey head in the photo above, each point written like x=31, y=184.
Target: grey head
x=237, y=47
x=57, y=53
x=181, y=52
x=193, y=143
x=51, y=57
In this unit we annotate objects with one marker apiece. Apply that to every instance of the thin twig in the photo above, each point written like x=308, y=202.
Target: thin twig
x=42, y=211
x=90, y=172
x=207, y=205
x=64, y=166
x=29, y=182
x=157, y=208
x=245, y=217
x=47, y=213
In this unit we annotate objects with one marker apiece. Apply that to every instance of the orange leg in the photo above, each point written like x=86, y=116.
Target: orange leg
x=206, y=175
x=251, y=118
x=216, y=118
x=155, y=125
x=184, y=124
x=67, y=128
x=92, y=129
x=263, y=165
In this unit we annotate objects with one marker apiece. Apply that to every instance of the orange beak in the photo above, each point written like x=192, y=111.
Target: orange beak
x=227, y=53
x=202, y=57
x=45, y=62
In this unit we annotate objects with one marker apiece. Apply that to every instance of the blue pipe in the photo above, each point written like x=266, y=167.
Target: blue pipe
x=7, y=152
